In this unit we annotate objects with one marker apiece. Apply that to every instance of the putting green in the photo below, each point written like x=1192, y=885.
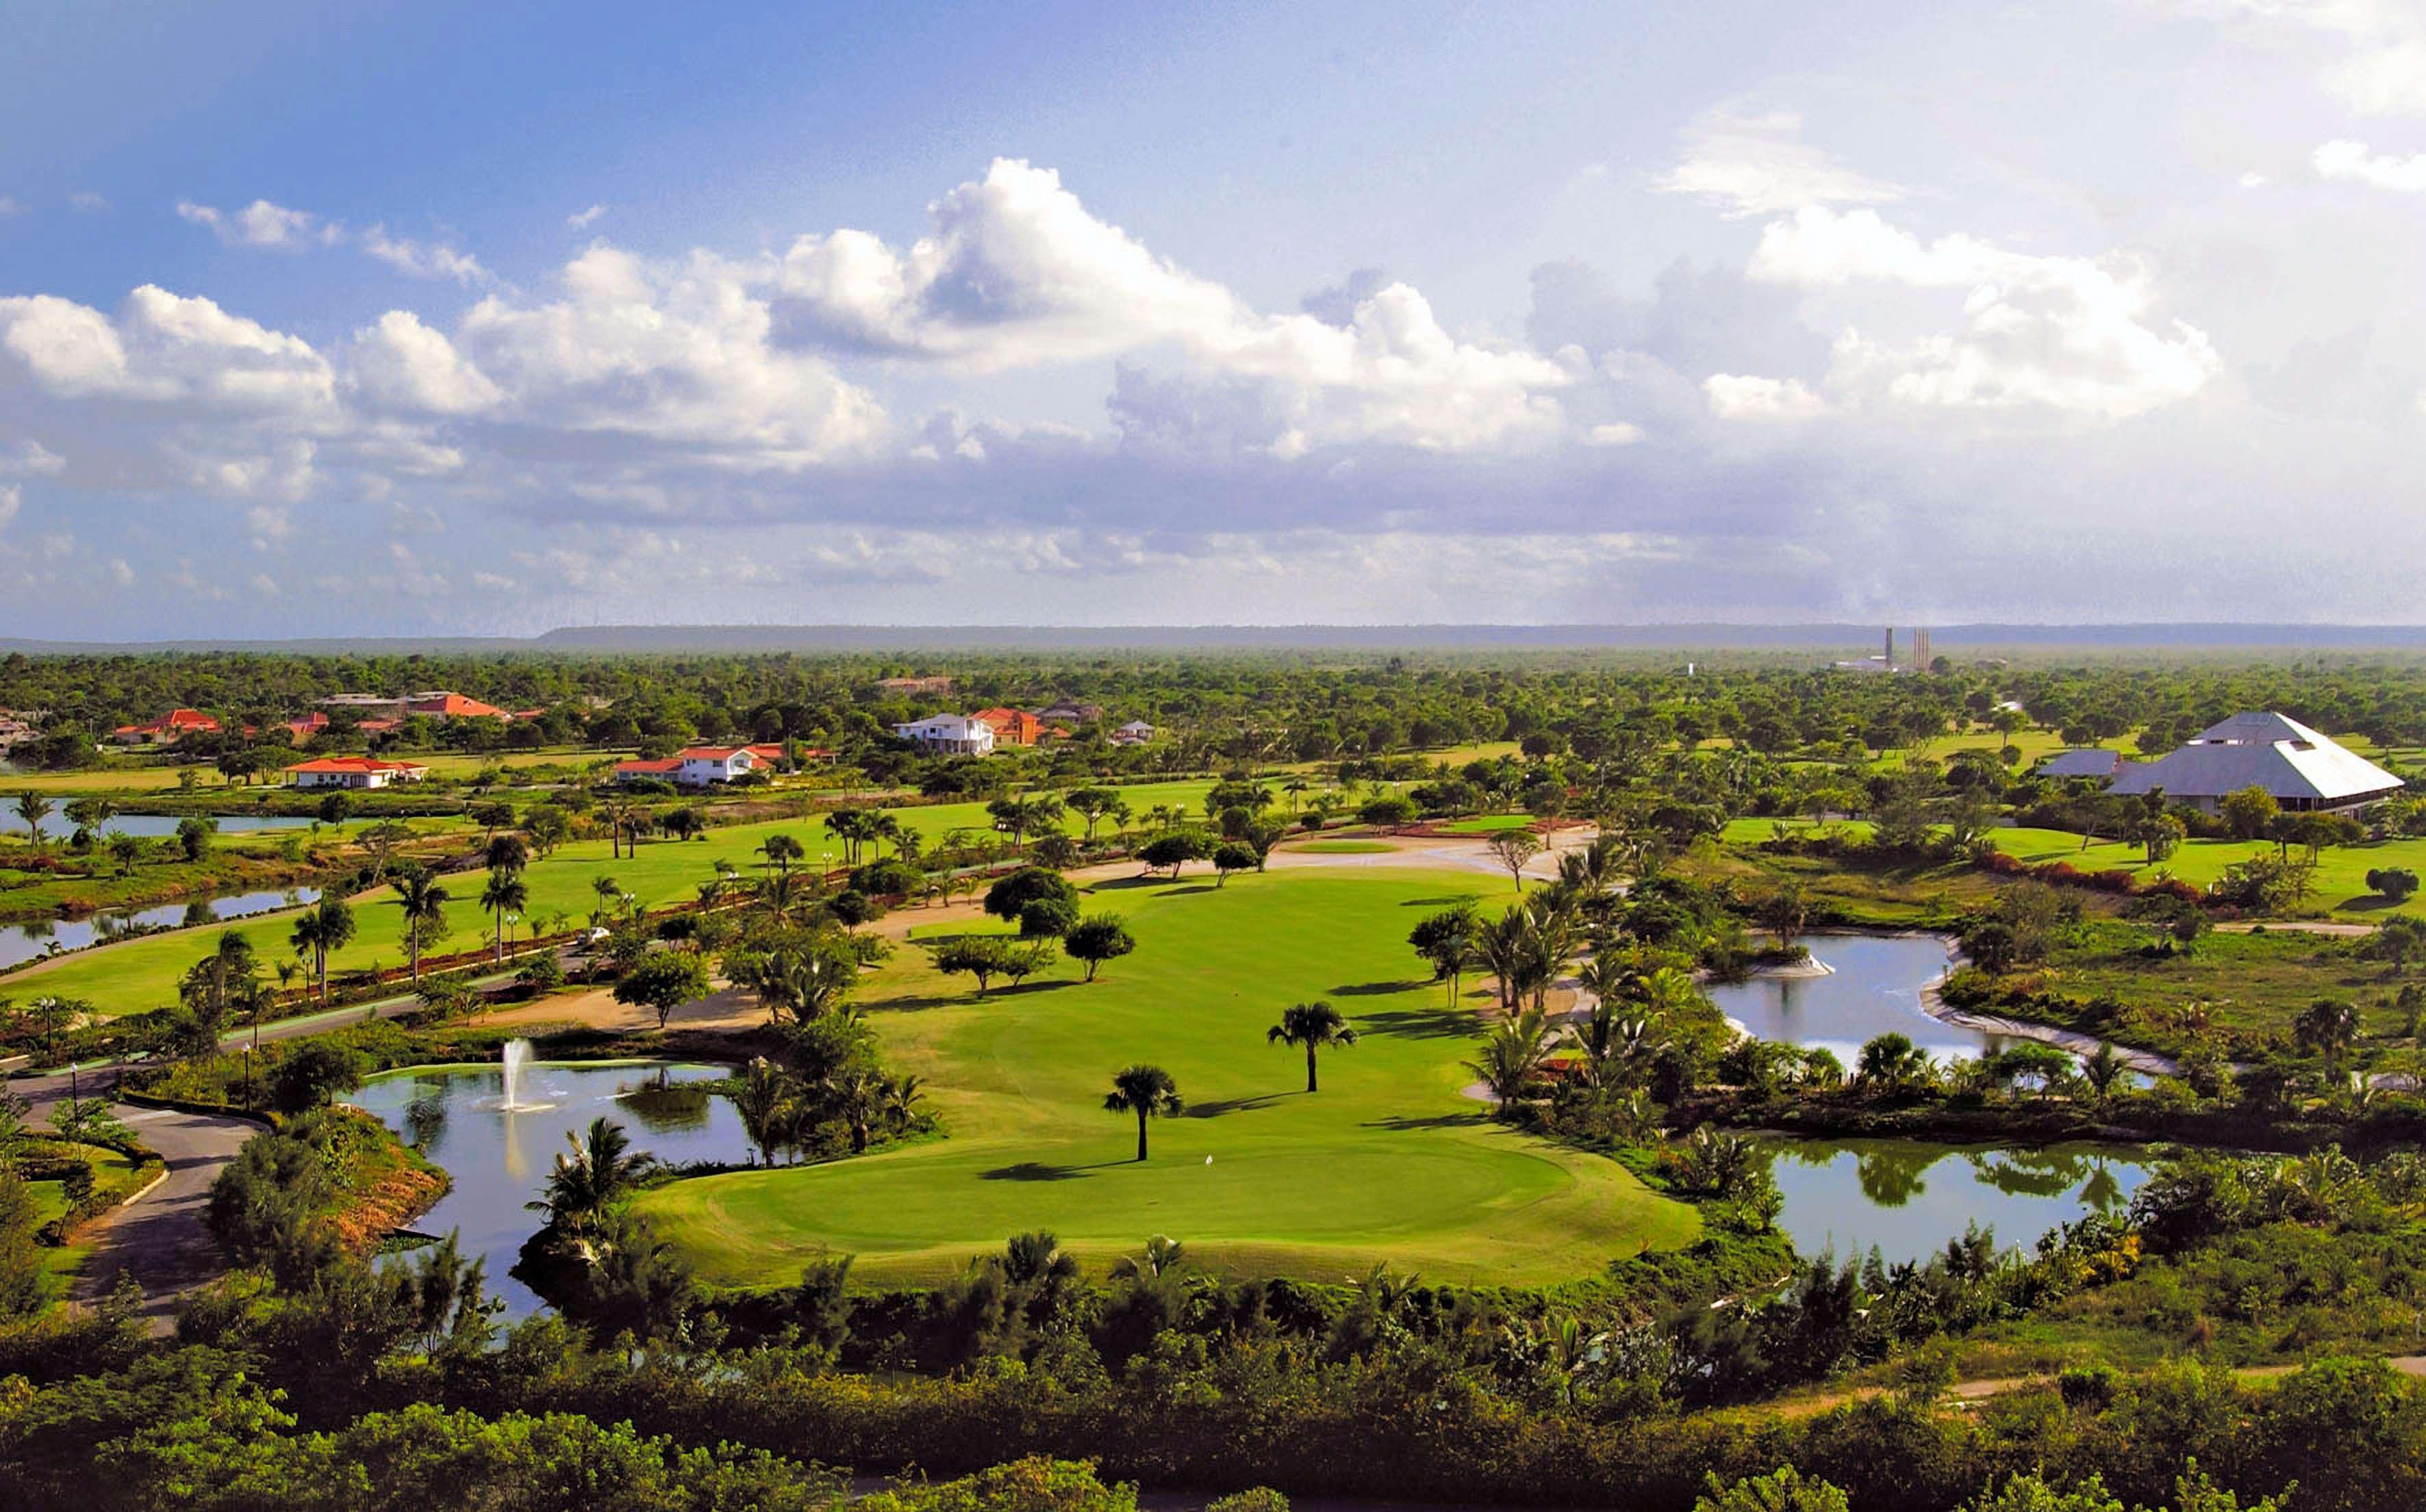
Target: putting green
x=1388, y=1162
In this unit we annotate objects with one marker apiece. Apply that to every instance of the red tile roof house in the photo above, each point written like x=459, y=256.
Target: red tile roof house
x=451, y=705
x=352, y=771
x=1011, y=726
x=698, y=767
x=168, y=729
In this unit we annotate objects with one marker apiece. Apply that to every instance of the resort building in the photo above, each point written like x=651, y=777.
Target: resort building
x=949, y=735
x=701, y=766
x=353, y=771
x=1136, y=732
x=2091, y=762
x=1011, y=726
x=168, y=729
x=2302, y=770
x=440, y=704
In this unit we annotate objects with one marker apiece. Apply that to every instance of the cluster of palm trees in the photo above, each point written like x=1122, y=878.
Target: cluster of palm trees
x=782, y=1111
x=504, y=893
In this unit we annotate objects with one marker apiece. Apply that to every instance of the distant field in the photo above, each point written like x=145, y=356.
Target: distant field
x=152, y=778
x=2340, y=879
x=1387, y=1163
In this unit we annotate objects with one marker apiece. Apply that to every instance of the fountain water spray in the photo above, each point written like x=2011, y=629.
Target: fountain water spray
x=518, y=1052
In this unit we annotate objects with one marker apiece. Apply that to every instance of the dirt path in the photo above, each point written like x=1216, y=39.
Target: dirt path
x=1965, y=1393
x=2299, y=926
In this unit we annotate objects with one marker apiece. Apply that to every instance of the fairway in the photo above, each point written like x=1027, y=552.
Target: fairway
x=1388, y=1162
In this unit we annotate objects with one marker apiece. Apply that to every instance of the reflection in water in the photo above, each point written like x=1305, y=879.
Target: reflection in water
x=1873, y=988
x=1907, y=1197
x=33, y=939
x=497, y=1161
x=664, y=1106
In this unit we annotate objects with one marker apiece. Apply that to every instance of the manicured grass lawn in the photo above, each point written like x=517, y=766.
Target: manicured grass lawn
x=141, y=974
x=162, y=777
x=1486, y=824
x=1387, y=1163
x=1345, y=847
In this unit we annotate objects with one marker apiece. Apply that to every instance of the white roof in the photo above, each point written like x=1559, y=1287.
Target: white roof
x=2258, y=750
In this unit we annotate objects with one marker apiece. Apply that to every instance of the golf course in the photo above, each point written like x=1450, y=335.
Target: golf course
x=1388, y=1162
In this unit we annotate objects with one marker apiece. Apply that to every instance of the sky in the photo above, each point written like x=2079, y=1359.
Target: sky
x=448, y=318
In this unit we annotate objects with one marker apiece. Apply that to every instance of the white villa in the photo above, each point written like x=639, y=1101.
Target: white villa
x=1136, y=732
x=949, y=735
x=701, y=766
x=2303, y=771
x=352, y=771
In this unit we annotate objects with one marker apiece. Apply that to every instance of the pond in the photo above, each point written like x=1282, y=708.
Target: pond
x=497, y=1160
x=154, y=826
x=31, y=941
x=1908, y=1197
x=1873, y=988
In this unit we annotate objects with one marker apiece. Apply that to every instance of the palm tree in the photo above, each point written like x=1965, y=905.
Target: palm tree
x=781, y=850
x=508, y=852
x=598, y=1169
x=1311, y=1025
x=854, y=1093
x=897, y=1100
x=764, y=1101
x=1163, y=1256
x=506, y=892
x=33, y=808
x=1512, y=1056
x=606, y=890
x=1146, y=1091
x=425, y=912
x=2103, y=1070
x=319, y=932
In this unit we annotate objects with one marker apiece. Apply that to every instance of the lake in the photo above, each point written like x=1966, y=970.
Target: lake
x=498, y=1161
x=1908, y=1197
x=21, y=943
x=1873, y=988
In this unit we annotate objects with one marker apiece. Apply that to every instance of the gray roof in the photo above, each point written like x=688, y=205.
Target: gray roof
x=2092, y=762
x=2258, y=750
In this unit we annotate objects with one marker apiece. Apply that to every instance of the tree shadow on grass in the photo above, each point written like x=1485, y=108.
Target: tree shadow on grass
x=1376, y=989
x=1226, y=1105
x=1444, y=1120
x=1038, y=1171
x=1022, y=989
x=1416, y=1024
x=1438, y=903
x=1125, y=883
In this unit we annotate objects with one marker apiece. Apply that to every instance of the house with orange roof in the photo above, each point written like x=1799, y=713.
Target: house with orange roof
x=442, y=705
x=352, y=771
x=698, y=766
x=1012, y=726
x=168, y=729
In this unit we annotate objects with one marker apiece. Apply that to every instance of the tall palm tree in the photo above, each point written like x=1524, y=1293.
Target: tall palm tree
x=504, y=892
x=599, y=1168
x=608, y=891
x=425, y=912
x=764, y=1099
x=322, y=931
x=507, y=852
x=781, y=850
x=854, y=1093
x=33, y=808
x=1146, y=1091
x=1311, y=1025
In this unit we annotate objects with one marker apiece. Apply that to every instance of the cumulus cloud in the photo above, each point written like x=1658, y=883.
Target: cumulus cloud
x=263, y=224
x=2352, y=162
x=1743, y=397
x=1759, y=165
x=2381, y=67
x=422, y=259
x=582, y=220
x=2069, y=333
x=1018, y=272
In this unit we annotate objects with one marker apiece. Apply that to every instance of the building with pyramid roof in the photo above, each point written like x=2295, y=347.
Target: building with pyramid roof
x=2303, y=771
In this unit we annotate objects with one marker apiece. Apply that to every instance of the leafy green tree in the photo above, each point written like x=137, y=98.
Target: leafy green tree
x=1097, y=939
x=2248, y=812
x=1174, y=851
x=981, y=956
x=424, y=899
x=1232, y=855
x=1312, y=1026
x=194, y=835
x=1446, y=940
x=1783, y=1489
x=1146, y=1091
x=319, y=931
x=1009, y=897
x=663, y=982
x=313, y=1074
x=2397, y=884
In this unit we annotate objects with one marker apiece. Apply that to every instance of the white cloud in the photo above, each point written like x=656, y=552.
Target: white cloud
x=582, y=220
x=2063, y=332
x=2352, y=162
x=1016, y=273
x=2382, y=68
x=1737, y=396
x=1759, y=165
x=422, y=259
x=401, y=364
x=11, y=497
x=263, y=224
x=1616, y=434
x=119, y=573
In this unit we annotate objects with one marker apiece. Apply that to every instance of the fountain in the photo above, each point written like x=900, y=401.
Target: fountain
x=518, y=1054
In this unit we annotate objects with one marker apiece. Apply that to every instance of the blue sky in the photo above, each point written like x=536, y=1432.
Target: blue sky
x=406, y=318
